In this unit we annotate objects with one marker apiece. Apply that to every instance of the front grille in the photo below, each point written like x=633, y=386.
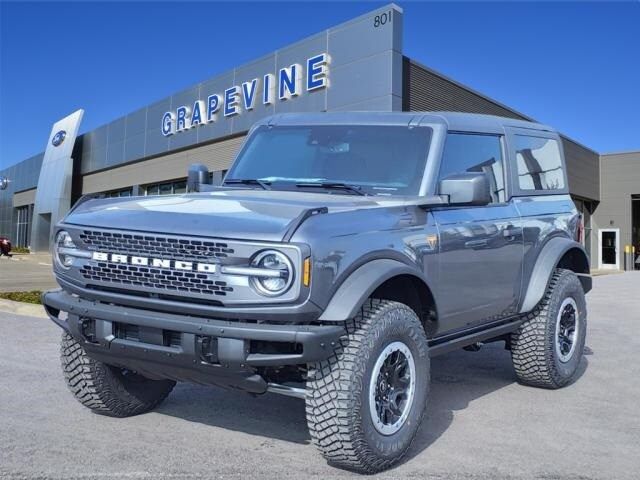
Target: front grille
x=155, y=266
x=156, y=278
x=161, y=280
x=155, y=246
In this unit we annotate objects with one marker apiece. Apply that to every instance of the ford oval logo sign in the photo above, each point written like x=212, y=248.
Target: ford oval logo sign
x=58, y=138
x=4, y=183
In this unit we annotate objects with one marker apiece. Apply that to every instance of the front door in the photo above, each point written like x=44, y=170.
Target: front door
x=481, y=248
x=609, y=248
x=481, y=254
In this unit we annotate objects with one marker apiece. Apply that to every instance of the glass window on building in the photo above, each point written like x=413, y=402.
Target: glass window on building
x=180, y=187
x=167, y=188
x=153, y=190
x=465, y=152
x=123, y=192
x=539, y=163
x=23, y=225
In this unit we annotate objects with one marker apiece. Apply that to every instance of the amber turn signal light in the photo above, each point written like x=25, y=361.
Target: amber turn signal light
x=306, y=272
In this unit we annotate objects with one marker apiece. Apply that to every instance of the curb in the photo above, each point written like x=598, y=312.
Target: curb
x=20, y=308
x=601, y=273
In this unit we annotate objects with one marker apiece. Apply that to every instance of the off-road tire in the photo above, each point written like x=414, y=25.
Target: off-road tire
x=105, y=389
x=337, y=408
x=533, y=351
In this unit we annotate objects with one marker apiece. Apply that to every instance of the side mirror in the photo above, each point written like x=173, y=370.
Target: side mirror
x=197, y=175
x=468, y=188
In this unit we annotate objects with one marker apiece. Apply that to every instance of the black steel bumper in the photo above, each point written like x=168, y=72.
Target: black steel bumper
x=187, y=348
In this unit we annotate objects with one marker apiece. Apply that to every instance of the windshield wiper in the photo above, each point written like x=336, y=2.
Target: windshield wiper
x=333, y=186
x=248, y=181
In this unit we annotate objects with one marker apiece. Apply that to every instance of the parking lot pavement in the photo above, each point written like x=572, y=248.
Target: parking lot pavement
x=26, y=272
x=481, y=424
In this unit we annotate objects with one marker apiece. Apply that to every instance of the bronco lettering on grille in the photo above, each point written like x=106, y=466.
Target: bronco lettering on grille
x=154, y=262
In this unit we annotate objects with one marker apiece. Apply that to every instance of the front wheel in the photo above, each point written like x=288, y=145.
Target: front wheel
x=105, y=389
x=365, y=403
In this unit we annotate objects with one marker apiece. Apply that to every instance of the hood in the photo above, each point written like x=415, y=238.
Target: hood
x=232, y=213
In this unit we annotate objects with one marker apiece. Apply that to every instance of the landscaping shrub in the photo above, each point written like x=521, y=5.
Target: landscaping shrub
x=32, y=296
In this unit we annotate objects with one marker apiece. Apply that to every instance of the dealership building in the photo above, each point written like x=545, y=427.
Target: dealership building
x=358, y=65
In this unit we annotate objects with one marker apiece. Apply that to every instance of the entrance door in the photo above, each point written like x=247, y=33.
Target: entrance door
x=609, y=248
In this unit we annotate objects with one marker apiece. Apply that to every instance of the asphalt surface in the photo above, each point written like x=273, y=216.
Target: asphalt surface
x=26, y=272
x=481, y=424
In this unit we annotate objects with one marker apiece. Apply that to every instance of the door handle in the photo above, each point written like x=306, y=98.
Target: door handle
x=512, y=232
x=476, y=243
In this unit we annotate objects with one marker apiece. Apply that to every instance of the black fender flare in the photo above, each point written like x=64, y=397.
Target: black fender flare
x=547, y=260
x=360, y=284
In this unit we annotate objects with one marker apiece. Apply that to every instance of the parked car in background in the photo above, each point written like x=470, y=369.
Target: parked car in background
x=5, y=246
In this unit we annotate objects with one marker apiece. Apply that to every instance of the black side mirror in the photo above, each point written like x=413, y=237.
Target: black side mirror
x=468, y=188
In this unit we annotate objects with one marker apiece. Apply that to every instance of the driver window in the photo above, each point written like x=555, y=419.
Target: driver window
x=465, y=152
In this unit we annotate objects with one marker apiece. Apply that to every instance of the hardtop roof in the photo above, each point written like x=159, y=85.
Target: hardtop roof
x=453, y=120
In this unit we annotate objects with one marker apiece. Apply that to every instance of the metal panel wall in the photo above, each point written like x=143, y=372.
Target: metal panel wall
x=26, y=197
x=365, y=73
x=22, y=176
x=427, y=90
x=619, y=180
x=217, y=156
x=583, y=169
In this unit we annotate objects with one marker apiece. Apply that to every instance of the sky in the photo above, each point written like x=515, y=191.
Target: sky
x=575, y=66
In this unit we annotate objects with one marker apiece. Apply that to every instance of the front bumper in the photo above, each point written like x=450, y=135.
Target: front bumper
x=188, y=348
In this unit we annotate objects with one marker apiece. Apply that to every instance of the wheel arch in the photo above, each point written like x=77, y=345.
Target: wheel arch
x=558, y=252
x=385, y=279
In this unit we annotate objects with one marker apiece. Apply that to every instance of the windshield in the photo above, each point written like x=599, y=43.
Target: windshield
x=378, y=160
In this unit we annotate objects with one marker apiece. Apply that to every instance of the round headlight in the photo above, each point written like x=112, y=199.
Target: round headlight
x=278, y=273
x=63, y=244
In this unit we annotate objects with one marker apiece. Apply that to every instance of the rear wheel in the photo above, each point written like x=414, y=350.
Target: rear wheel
x=365, y=403
x=547, y=348
x=108, y=390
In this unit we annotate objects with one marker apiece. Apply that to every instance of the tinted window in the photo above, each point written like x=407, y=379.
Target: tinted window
x=125, y=192
x=475, y=153
x=167, y=188
x=180, y=187
x=383, y=160
x=539, y=163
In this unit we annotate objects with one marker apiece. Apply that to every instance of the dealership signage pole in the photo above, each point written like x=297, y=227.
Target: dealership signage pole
x=53, y=195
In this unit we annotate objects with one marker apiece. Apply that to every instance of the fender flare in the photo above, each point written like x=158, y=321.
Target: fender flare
x=360, y=284
x=546, y=263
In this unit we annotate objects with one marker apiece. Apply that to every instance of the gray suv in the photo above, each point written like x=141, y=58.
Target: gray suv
x=341, y=253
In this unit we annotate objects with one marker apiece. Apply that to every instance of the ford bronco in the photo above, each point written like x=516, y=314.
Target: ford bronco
x=341, y=253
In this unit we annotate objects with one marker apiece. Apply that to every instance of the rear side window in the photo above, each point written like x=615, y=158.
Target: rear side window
x=468, y=152
x=539, y=163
